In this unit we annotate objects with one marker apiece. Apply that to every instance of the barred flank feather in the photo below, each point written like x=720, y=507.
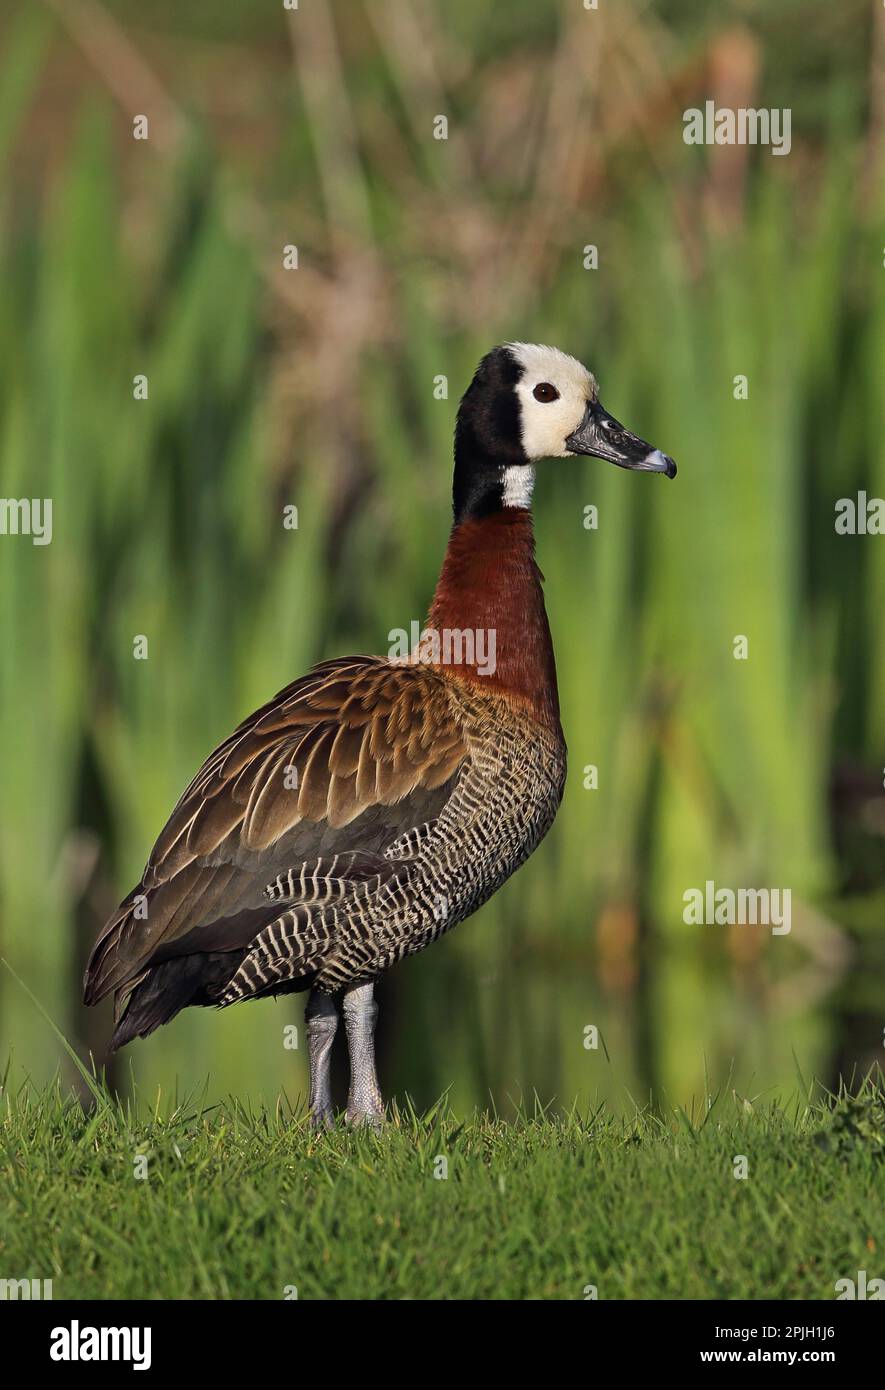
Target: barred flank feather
x=503, y=804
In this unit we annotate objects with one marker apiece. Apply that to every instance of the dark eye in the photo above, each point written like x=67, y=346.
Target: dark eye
x=545, y=392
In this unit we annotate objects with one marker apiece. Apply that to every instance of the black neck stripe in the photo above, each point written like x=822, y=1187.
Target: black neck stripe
x=488, y=436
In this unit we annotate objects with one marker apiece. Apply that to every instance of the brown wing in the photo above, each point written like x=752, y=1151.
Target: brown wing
x=346, y=759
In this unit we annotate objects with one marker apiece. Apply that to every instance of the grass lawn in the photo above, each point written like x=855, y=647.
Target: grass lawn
x=238, y=1203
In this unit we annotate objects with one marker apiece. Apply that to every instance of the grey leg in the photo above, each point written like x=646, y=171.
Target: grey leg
x=364, y=1103
x=321, y=1019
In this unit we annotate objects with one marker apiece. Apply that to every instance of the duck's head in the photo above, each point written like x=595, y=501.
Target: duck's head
x=526, y=403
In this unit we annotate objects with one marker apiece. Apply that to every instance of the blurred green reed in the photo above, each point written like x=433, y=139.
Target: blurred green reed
x=168, y=524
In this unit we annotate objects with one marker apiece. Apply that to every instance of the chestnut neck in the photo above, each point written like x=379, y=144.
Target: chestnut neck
x=490, y=583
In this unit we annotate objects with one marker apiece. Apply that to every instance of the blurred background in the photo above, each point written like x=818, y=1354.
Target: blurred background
x=314, y=387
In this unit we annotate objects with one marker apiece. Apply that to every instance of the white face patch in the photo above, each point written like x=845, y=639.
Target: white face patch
x=547, y=424
x=519, y=483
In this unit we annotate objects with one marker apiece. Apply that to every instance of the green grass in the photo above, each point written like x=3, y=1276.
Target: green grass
x=249, y=1202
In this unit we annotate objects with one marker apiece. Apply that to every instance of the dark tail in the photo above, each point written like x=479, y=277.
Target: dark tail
x=172, y=986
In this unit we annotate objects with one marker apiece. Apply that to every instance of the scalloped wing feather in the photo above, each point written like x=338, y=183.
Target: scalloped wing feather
x=349, y=758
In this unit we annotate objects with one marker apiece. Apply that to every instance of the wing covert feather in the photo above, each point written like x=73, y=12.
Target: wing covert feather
x=348, y=758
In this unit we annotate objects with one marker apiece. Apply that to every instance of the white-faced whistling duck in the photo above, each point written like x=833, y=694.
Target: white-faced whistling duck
x=422, y=782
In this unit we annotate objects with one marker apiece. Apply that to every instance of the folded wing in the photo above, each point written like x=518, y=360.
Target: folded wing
x=317, y=783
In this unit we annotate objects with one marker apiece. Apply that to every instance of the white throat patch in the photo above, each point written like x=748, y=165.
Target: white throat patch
x=519, y=484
